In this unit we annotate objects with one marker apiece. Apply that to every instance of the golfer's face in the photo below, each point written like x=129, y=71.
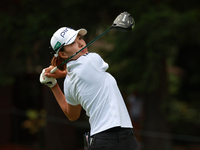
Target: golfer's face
x=77, y=45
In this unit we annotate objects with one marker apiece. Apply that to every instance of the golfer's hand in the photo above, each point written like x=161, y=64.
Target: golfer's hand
x=57, y=74
x=50, y=82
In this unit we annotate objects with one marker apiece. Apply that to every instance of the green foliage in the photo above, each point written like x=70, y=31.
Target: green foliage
x=166, y=35
x=145, y=48
x=35, y=121
x=182, y=112
x=164, y=45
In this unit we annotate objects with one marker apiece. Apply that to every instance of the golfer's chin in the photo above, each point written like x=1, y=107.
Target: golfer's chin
x=84, y=51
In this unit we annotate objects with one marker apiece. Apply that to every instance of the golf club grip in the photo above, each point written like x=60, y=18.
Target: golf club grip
x=53, y=70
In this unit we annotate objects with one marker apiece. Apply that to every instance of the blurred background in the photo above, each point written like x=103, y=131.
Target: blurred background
x=157, y=67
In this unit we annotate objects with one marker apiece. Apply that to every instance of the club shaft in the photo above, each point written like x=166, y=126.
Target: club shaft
x=65, y=61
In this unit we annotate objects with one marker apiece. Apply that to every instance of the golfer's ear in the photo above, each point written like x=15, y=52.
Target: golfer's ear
x=62, y=55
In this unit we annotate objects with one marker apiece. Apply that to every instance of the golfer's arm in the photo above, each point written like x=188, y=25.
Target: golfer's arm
x=72, y=112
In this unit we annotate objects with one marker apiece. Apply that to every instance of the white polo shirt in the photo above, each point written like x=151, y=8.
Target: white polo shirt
x=88, y=84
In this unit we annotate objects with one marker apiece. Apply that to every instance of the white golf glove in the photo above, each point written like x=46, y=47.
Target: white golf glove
x=50, y=82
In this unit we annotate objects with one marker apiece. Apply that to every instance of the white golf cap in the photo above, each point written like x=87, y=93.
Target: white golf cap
x=64, y=36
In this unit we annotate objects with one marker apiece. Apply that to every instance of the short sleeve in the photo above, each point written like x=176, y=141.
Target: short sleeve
x=70, y=98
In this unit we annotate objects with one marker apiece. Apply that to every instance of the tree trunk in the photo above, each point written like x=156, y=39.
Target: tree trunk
x=155, y=137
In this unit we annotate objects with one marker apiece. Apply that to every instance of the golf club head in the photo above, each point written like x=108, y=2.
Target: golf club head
x=124, y=22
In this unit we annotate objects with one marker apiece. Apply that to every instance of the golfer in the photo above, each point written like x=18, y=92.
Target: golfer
x=87, y=85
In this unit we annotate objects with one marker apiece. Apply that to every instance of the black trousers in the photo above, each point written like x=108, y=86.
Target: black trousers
x=114, y=139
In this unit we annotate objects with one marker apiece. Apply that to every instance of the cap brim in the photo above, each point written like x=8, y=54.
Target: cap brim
x=82, y=32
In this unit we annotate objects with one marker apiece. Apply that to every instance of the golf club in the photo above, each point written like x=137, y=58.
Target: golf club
x=123, y=22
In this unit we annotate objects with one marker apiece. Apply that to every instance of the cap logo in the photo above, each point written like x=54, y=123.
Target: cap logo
x=58, y=44
x=63, y=32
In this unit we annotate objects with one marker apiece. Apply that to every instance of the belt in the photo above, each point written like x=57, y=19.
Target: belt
x=114, y=133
